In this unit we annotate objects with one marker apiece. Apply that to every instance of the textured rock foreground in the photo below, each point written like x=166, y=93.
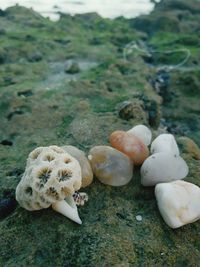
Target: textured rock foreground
x=67, y=83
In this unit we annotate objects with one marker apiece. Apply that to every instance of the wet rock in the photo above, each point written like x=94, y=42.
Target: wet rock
x=91, y=129
x=152, y=108
x=166, y=17
x=9, y=81
x=2, y=13
x=154, y=112
x=125, y=68
x=132, y=110
x=160, y=83
x=114, y=84
x=188, y=146
x=24, y=16
x=2, y=31
x=18, y=111
x=88, y=18
x=35, y=57
x=110, y=166
x=3, y=56
x=96, y=41
x=190, y=84
x=16, y=172
x=121, y=39
x=7, y=206
x=173, y=127
x=168, y=5
x=62, y=41
x=30, y=38
x=177, y=202
x=175, y=168
x=25, y=93
x=165, y=143
x=83, y=114
x=188, y=40
x=130, y=145
x=142, y=132
x=154, y=23
x=72, y=68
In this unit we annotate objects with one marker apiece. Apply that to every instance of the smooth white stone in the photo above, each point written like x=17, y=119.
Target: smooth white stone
x=165, y=143
x=143, y=133
x=138, y=218
x=163, y=167
x=178, y=202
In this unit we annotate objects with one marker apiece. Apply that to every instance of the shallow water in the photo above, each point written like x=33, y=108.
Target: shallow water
x=106, y=8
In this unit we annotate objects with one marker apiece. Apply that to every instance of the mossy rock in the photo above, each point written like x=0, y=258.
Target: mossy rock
x=190, y=84
x=152, y=24
x=192, y=6
x=73, y=68
x=41, y=105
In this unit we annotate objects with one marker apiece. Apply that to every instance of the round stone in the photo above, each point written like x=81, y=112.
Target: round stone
x=110, y=166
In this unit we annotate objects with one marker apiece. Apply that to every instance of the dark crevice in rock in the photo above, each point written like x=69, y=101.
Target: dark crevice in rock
x=7, y=205
x=2, y=13
x=62, y=41
x=25, y=93
x=19, y=111
x=15, y=172
x=6, y=142
x=16, y=112
x=8, y=80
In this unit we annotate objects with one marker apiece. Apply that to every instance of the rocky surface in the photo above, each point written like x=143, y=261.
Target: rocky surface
x=42, y=105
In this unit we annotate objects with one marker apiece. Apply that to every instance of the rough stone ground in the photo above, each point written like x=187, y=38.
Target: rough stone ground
x=64, y=83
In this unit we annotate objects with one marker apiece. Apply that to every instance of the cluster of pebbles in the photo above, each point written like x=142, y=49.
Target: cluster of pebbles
x=53, y=175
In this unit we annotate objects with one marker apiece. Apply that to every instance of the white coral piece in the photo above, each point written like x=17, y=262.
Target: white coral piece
x=51, y=177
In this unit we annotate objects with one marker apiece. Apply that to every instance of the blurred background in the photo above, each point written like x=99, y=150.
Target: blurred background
x=75, y=80
x=105, y=8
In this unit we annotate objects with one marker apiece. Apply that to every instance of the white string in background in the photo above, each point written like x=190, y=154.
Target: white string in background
x=128, y=49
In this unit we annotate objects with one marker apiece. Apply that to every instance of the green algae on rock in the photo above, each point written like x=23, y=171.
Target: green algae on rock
x=83, y=112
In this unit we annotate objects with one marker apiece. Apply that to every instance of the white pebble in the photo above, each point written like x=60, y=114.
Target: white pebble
x=143, y=133
x=178, y=202
x=138, y=218
x=165, y=143
x=162, y=167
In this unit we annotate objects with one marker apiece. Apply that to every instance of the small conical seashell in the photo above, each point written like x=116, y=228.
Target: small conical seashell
x=142, y=132
x=178, y=202
x=163, y=167
x=165, y=143
x=110, y=166
x=86, y=170
x=67, y=208
x=130, y=145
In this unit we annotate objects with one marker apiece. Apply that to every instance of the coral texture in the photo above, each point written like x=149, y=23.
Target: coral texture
x=51, y=174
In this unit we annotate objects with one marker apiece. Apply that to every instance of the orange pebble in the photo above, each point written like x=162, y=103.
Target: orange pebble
x=130, y=145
